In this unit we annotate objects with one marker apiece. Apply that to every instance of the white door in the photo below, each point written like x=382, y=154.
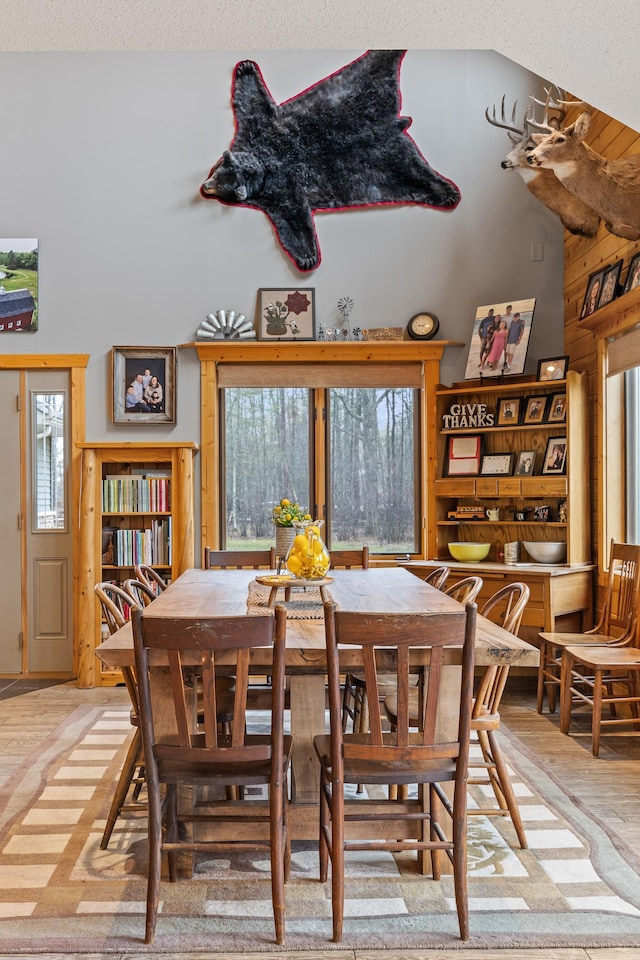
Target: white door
x=48, y=523
x=10, y=536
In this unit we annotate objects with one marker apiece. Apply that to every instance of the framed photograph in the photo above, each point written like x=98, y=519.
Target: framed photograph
x=497, y=465
x=552, y=368
x=610, y=280
x=592, y=294
x=19, y=285
x=534, y=410
x=555, y=457
x=633, y=274
x=463, y=456
x=508, y=411
x=525, y=463
x=143, y=384
x=541, y=514
x=499, y=339
x=286, y=314
x=558, y=408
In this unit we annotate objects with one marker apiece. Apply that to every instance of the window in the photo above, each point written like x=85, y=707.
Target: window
x=632, y=470
x=348, y=453
x=49, y=459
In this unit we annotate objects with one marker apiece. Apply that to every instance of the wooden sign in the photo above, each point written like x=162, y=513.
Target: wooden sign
x=463, y=415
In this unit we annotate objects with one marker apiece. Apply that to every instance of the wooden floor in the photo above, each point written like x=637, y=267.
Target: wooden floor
x=609, y=787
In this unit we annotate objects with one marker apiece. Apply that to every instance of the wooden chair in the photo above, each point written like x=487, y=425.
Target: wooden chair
x=197, y=754
x=402, y=757
x=505, y=607
x=140, y=592
x=438, y=577
x=612, y=628
x=146, y=574
x=239, y=559
x=465, y=590
x=116, y=604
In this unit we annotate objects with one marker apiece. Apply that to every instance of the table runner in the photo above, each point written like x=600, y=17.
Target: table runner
x=305, y=602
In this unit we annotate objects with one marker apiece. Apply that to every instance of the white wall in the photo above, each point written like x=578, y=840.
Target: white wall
x=102, y=156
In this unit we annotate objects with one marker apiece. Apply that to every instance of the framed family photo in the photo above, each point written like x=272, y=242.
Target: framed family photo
x=143, y=384
x=555, y=457
x=286, y=314
x=508, y=411
x=525, y=463
x=610, y=280
x=534, y=410
x=552, y=368
x=592, y=294
x=499, y=339
x=633, y=274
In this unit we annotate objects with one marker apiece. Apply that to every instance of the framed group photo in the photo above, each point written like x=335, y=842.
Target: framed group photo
x=555, y=457
x=143, y=384
x=499, y=339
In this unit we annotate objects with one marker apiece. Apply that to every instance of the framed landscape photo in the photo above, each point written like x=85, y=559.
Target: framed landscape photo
x=525, y=463
x=508, y=411
x=633, y=274
x=497, y=465
x=463, y=456
x=534, y=410
x=558, y=408
x=555, y=457
x=143, y=384
x=18, y=285
x=552, y=368
x=499, y=339
x=610, y=280
x=286, y=314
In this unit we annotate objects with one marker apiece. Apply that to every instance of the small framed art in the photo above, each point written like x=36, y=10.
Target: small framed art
x=633, y=274
x=463, y=456
x=497, y=465
x=610, y=280
x=508, y=412
x=144, y=384
x=552, y=368
x=592, y=294
x=555, y=457
x=525, y=463
x=534, y=410
x=558, y=408
x=286, y=314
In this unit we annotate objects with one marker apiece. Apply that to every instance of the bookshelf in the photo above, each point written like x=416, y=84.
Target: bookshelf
x=136, y=506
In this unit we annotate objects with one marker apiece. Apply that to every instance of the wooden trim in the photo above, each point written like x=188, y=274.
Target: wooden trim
x=38, y=361
x=358, y=352
x=616, y=317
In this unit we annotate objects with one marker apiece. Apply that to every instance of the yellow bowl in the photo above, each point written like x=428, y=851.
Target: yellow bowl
x=469, y=552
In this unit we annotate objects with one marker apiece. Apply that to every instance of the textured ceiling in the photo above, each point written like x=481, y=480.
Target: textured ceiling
x=589, y=48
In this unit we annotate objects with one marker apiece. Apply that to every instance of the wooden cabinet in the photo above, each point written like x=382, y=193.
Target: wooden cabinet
x=566, y=493
x=136, y=505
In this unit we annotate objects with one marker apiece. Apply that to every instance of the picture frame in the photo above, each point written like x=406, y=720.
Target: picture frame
x=463, y=456
x=633, y=274
x=19, y=287
x=497, y=465
x=610, y=280
x=286, y=314
x=558, y=408
x=525, y=463
x=552, y=368
x=555, y=457
x=534, y=409
x=133, y=372
x=508, y=412
x=510, y=353
x=592, y=293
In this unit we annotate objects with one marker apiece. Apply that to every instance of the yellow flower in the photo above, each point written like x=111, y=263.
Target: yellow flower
x=284, y=502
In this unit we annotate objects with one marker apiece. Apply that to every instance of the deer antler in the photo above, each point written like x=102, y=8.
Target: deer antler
x=559, y=104
x=504, y=123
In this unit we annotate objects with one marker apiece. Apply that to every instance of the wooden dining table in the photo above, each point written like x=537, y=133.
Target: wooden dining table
x=214, y=593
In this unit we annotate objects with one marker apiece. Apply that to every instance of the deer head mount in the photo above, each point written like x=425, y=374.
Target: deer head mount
x=576, y=216
x=610, y=187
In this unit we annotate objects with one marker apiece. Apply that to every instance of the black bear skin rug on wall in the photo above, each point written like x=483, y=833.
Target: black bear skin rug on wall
x=339, y=144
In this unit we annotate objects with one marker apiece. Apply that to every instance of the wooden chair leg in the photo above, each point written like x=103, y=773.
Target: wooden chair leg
x=565, y=691
x=155, y=863
x=540, y=689
x=276, y=837
x=337, y=861
x=507, y=790
x=596, y=720
x=132, y=760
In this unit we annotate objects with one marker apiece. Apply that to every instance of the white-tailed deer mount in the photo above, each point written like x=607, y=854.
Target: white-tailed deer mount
x=576, y=216
x=610, y=187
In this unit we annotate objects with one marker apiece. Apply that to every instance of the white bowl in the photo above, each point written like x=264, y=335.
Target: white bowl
x=546, y=551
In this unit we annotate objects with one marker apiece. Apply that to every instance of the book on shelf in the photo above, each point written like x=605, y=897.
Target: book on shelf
x=128, y=494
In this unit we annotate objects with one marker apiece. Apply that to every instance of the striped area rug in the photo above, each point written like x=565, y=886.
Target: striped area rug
x=60, y=893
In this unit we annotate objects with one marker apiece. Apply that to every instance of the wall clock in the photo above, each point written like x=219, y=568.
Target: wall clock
x=423, y=326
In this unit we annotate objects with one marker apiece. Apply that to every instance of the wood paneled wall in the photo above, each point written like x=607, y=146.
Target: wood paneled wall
x=583, y=256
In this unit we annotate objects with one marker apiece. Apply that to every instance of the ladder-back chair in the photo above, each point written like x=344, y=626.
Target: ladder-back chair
x=146, y=574
x=239, y=559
